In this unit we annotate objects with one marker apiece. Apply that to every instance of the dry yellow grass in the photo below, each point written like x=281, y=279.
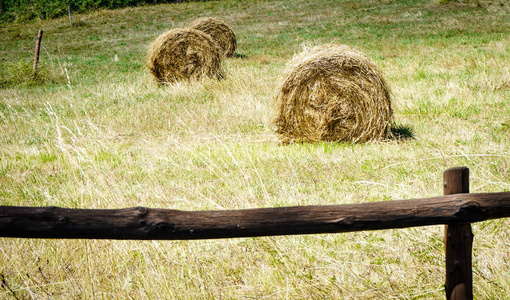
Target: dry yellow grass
x=108, y=137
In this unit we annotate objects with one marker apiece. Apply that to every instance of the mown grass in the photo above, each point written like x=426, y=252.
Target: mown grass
x=101, y=134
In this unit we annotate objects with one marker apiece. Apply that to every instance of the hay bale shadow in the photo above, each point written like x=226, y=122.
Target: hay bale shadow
x=240, y=56
x=401, y=132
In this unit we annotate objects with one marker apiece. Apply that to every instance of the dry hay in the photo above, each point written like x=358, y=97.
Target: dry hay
x=183, y=54
x=332, y=93
x=220, y=33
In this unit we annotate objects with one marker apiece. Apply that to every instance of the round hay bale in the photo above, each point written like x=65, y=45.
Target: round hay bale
x=183, y=54
x=219, y=31
x=332, y=93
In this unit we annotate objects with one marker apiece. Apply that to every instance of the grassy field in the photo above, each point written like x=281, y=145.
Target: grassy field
x=94, y=131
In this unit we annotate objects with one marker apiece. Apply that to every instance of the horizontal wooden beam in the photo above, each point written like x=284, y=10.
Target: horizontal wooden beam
x=141, y=223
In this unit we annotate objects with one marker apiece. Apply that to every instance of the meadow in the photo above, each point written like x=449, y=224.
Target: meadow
x=93, y=130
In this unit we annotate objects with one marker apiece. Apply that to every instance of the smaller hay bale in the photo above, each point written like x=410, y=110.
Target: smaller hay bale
x=220, y=32
x=183, y=54
x=332, y=93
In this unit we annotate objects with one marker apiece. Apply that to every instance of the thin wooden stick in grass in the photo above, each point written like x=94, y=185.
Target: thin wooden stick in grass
x=69, y=12
x=37, y=48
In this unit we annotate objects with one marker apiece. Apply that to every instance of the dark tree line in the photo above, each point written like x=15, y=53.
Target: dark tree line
x=26, y=10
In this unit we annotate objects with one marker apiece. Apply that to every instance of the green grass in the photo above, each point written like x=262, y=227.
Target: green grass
x=97, y=132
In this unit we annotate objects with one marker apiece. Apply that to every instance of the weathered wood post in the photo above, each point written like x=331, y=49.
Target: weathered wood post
x=37, y=48
x=458, y=242
x=69, y=13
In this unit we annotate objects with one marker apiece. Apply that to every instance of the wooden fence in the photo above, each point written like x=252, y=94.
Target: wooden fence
x=456, y=209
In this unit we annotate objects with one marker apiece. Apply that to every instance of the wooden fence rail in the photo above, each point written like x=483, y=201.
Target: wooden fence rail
x=457, y=209
x=143, y=223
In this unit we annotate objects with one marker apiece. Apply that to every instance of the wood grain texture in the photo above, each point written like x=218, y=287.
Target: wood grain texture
x=37, y=49
x=164, y=224
x=458, y=242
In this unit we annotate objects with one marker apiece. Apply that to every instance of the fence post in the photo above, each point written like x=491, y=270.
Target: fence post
x=36, y=55
x=69, y=12
x=458, y=242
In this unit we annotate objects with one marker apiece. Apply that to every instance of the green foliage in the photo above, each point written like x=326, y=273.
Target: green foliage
x=25, y=10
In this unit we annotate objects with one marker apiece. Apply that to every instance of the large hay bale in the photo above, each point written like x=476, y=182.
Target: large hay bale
x=183, y=54
x=332, y=93
x=220, y=33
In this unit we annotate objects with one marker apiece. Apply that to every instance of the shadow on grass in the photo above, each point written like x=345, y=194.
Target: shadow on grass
x=398, y=132
x=80, y=23
x=401, y=132
x=240, y=55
